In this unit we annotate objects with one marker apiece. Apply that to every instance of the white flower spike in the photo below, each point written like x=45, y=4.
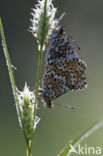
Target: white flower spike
x=26, y=93
x=26, y=103
x=43, y=20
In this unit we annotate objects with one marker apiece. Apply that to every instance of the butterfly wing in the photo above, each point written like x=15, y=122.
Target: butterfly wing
x=55, y=82
x=60, y=49
x=77, y=74
x=58, y=79
x=64, y=70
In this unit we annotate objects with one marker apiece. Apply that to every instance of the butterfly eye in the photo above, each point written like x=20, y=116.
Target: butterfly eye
x=60, y=30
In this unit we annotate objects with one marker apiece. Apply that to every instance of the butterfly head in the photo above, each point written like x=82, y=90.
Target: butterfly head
x=61, y=30
x=48, y=103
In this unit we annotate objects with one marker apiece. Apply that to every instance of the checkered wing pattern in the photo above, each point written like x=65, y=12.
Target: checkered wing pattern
x=64, y=70
x=59, y=79
x=60, y=49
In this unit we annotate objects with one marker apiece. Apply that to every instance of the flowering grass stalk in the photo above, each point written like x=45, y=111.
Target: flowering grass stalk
x=24, y=101
x=42, y=24
x=27, y=107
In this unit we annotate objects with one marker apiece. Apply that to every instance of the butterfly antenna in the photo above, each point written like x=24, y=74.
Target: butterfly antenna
x=66, y=106
x=76, y=44
x=61, y=17
x=74, y=41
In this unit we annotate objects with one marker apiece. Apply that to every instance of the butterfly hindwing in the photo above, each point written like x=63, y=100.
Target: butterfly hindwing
x=58, y=79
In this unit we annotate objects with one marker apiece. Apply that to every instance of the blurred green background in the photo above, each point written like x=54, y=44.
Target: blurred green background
x=84, y=20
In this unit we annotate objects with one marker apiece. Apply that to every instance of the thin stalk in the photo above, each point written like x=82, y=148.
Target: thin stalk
x=38, y=74
x=67, y=150
x=9, y=65
x=40, y=56
x=6, y=53
x=28, y=148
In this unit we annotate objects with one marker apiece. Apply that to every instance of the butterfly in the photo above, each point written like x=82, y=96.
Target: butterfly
x=64, y=70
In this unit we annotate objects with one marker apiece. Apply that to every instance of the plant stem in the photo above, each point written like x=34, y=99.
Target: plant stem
x=38, y=75
x=6, y=53
x=9, y=65
x=28, y=148
x=40, y=54
x=94, y=127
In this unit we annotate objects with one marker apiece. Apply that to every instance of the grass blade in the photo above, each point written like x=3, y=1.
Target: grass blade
x=67, y=149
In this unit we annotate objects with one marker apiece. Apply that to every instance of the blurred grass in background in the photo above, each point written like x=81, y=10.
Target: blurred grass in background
x=84, y=20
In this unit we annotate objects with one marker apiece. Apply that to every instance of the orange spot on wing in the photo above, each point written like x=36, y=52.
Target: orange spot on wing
x=66, y=74
x=49, y=80
x=72, y=64
x=46, y=66
x=57, y=91
x=52, y=81
x=53, y=54
x=58, y=72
